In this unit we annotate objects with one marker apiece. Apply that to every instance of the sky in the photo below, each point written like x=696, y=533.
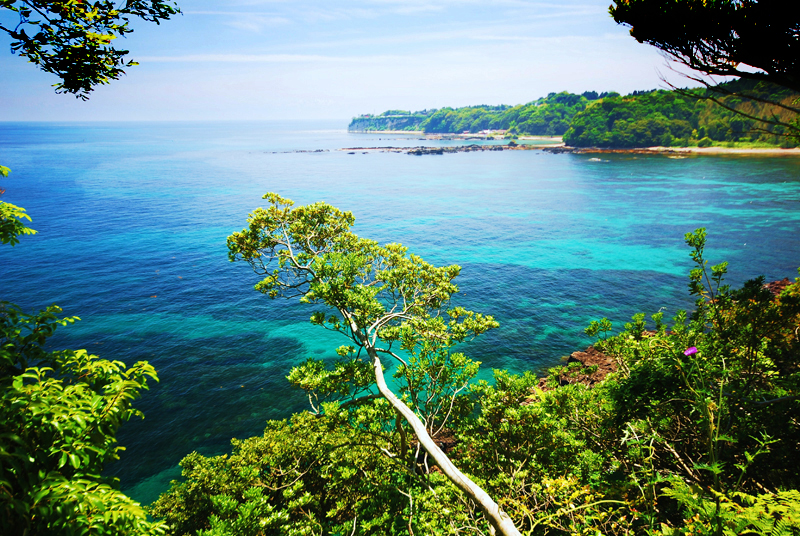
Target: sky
x=318, y=59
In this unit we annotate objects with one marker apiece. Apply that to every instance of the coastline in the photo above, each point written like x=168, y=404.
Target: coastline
x=456, y=136
x=733, y=150
x=670, y=152
x=414, y=132
x=556, y=143
x=740, y=151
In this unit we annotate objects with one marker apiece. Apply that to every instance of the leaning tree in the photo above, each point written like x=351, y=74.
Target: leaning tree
x=390, y=304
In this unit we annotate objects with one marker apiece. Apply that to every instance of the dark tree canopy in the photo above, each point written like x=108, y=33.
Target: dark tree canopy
x=73, y=38
x=721, y=37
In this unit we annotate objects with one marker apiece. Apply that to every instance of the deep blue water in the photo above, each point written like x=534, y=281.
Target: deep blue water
x=132, y=221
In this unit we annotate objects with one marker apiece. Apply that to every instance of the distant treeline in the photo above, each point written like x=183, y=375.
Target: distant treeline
x=548, y=116
x=640, y=119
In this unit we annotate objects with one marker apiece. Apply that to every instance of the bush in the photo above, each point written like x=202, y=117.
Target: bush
x=705, y=142
x=58, y=419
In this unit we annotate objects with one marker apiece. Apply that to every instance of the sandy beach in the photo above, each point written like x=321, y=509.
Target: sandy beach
x=692, y=151
x=414, y=132
x=755, y=151
x=556, y=142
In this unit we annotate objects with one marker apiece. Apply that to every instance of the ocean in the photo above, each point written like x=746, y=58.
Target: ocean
x=132, y=220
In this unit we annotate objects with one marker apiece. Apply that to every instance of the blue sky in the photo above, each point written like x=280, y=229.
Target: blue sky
x=308, y=59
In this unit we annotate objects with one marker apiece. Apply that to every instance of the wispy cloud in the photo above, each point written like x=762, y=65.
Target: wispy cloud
x=454, y=34
x=319, y=11
x=250, y=21
x=265, y=58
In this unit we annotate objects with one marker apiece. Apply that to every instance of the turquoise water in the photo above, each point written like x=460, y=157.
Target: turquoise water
x=132, y=221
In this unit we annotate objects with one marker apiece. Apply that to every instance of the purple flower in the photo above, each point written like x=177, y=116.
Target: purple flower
x=690, y=351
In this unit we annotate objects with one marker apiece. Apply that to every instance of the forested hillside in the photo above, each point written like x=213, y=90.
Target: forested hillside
x=548, y=116
x=640, y=119
x=679, y=118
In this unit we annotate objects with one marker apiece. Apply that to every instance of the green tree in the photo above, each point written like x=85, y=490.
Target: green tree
x=59, y=414
x=385, y=301
x=58, y=419
x=12, y=218
x=73, y=39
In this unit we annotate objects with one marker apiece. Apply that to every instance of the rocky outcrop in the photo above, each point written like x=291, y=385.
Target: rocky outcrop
x=418, y=151
x=593, y=368
x=426, y=150
x=776, y=287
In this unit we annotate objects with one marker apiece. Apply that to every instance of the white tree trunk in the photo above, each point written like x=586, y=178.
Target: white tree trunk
x=499, y=519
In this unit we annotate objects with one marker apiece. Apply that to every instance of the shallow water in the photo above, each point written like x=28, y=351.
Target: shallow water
x=132, y=221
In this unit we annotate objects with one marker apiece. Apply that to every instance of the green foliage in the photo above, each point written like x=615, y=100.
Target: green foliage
x=548, y=116
x=598, y=326
x=11, y=223
x=539, y=453
x=59, y=415
x=710, y=406
x=768, y=514
x=73, y=39
x=313, y=475
x=696, y=432
x=683, y=117
x=11, y=219
x=433, y=381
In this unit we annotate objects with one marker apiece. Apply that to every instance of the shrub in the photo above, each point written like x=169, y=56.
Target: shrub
x=705, y=142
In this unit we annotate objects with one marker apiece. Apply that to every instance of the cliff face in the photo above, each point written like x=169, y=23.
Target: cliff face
x=391, y=122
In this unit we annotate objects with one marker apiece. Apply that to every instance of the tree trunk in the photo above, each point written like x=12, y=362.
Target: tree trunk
x=499, y=519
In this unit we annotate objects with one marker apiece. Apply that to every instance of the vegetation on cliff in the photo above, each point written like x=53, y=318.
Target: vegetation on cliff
x=685, y=117
x=738, y=111
x=548, y=116
x=695, y=433
x=390, y=120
